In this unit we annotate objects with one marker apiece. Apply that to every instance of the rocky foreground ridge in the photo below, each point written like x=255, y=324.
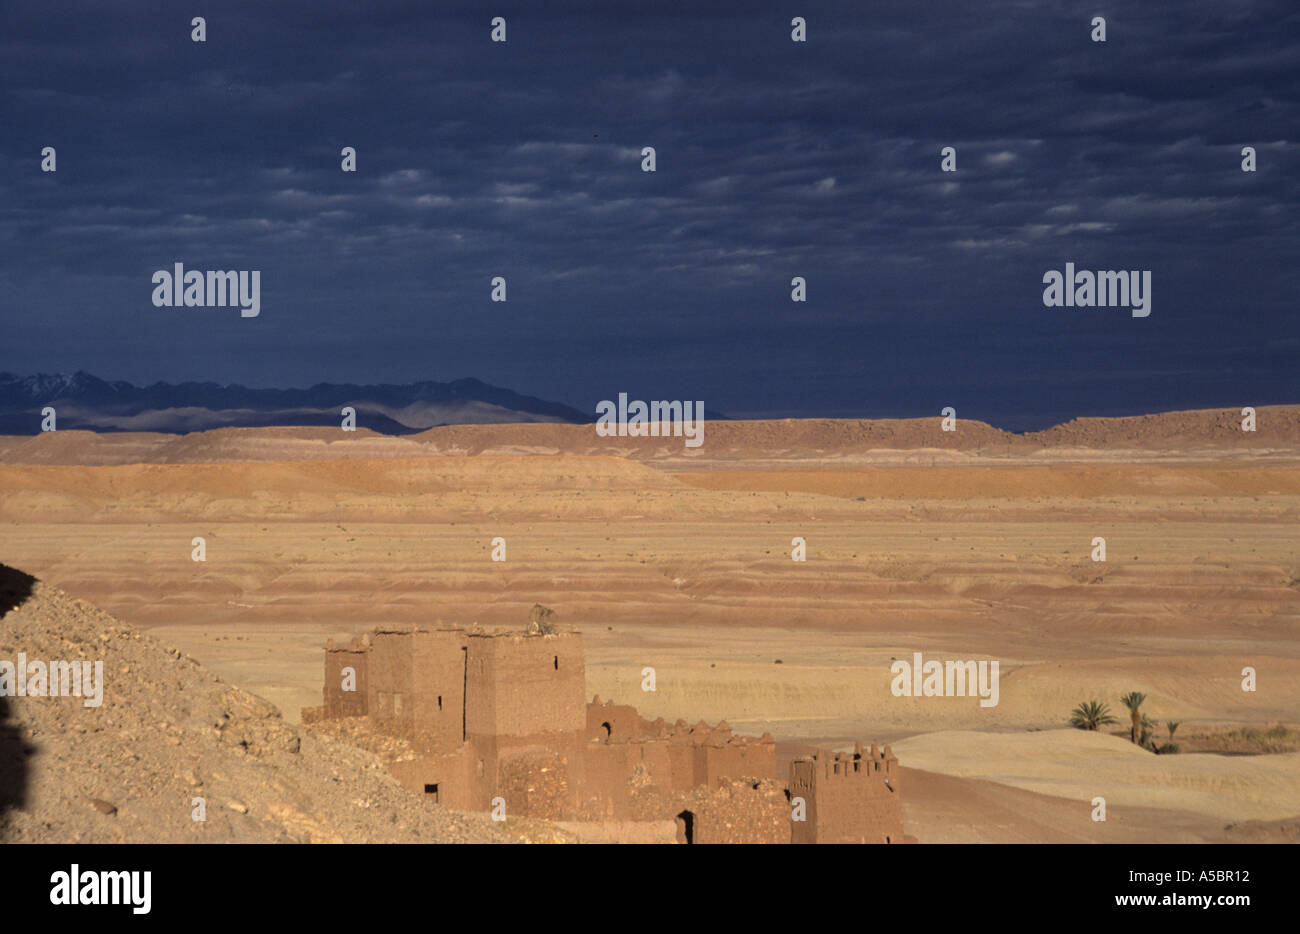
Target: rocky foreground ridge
x=169, y=732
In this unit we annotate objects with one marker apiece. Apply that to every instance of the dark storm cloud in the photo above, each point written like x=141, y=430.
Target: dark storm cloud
x=775, y=159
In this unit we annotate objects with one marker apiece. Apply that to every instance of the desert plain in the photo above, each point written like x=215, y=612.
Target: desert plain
x=976, y=544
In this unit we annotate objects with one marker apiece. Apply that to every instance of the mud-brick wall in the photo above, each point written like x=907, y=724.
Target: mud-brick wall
x=686, y=762
x=389, y=696
x=605, y=790
x=536, y=784
x=846, y=806
x=526, y=686
x=652, y=764
x=881, y=822
x=849, y=810
x=739, y=760
x=613, y=771
x=732, y=813
x=450, y=773
x=338, y=702
x=438, y=675
x=616, y=772
x=803, y=784
x=887, y=774
x=615, y=722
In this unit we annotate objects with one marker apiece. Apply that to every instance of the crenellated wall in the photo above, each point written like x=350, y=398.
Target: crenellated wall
x=849, y=797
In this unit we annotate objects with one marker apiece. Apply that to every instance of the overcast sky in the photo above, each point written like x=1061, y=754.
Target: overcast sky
x=774, y=159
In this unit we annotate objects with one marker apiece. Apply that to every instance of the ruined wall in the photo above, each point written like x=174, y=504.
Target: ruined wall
x=731, y=812
x=702, y=755
x=674, y=763
x=389, y=687
x=607, y=721
x=338, y=702
x=737, y=758
x=616, y=771
x=535, y=782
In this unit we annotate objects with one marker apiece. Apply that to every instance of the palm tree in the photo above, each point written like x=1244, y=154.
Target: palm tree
x=1133, y=700
x=1090, y=714
x=1170, y=746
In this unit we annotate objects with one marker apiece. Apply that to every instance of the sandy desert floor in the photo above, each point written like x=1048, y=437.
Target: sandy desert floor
x=683, y=564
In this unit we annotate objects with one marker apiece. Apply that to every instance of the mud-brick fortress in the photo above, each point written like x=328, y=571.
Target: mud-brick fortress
x=505, y=716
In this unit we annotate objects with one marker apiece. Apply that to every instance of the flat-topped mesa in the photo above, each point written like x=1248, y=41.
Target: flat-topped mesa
x=503, y=715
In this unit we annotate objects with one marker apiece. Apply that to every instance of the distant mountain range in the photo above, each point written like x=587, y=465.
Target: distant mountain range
x=88, y=402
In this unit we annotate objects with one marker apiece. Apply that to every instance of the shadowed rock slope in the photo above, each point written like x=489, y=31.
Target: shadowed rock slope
x=168, y=732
